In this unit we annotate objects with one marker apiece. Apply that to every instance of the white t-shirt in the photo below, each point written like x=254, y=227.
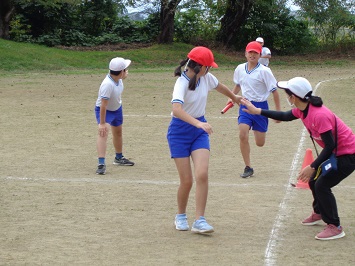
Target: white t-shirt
x=194, y=102
x=111, y=91
x=265, y=61
x=257, y=84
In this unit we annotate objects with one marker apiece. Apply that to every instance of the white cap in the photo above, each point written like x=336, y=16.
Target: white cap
x=119, y=63
x=259, y=39
x=298, y=86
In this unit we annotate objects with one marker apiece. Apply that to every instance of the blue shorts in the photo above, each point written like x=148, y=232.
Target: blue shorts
x=256, y=122
x=114, y=118
x=184, y=138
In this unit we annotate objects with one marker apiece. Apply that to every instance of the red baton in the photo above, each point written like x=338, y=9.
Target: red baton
x=225, y=109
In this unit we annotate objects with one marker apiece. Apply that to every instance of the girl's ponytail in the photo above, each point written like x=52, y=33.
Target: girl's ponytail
x=192, y=65
x=193, y=81
x=177, y=71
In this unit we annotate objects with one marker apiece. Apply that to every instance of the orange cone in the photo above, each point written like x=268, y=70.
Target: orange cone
x=308, y=159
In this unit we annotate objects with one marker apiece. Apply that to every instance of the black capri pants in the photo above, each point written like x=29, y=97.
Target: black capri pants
x=324, y=201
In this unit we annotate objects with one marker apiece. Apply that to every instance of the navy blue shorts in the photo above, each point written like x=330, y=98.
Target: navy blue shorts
x=256, y=122
x=114, y=118
x=184, y=138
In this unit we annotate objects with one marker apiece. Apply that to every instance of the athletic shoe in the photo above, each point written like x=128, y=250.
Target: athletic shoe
x=313, y=219
x=201, y=226
x=123, y=161
x=181, y=223
x=101, y=169
x=331, y=232
x=248, y=172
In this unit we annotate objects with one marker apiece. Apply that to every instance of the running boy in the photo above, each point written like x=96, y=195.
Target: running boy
x=256, y=82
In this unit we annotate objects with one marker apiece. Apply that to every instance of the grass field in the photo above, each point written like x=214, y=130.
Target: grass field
x=22, y=57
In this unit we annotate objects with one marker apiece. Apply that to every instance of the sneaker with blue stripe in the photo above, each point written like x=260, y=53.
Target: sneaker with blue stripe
x=201, y=226
x=181, y=223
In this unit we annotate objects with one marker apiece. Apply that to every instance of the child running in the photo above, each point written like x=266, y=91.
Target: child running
x=256, y=82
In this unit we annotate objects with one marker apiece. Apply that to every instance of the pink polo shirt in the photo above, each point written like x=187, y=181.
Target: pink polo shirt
x=320, y=120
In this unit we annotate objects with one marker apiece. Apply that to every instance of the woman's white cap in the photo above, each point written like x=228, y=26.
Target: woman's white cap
x=298, y=86
x=119, y=63
x=259, y=39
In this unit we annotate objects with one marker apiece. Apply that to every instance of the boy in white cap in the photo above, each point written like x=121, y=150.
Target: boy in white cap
x=109, y=115
x=265, y=53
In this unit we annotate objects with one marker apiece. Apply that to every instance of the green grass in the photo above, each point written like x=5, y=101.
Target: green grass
x=22, y=57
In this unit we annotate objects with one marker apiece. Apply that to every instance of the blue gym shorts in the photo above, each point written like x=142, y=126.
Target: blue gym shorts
x=184, y=138
x=114, y=118
x=256, y=122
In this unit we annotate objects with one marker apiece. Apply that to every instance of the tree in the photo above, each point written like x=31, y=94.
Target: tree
x=167, y=17
x=167, y=11
x=273, y=21
x=10, y=8
x=6, y=11
x=97, y=16
x=328, y=16
x=235, y=15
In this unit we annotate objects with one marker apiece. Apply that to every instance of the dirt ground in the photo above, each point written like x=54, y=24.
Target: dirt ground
x=54, y=210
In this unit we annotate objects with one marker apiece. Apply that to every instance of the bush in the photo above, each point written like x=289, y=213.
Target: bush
x=283, y=34
x=294, y=38
x=19, y=31
x=192, y=26
x=129, y=31
x=108, y=38
x=48, y=40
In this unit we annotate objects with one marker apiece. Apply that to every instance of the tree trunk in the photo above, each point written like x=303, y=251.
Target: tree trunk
x=167, y=16
x=236, y=14
x=6, y=11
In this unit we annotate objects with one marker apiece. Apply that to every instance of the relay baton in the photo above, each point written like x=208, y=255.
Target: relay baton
x=225, y=109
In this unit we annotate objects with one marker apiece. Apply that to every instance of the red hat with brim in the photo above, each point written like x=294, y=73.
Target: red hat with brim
x=203, y=56
x=254, y=47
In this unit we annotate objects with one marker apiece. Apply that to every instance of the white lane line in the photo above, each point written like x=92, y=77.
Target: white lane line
x=168, y=116
x=140, y=181
x=283, y=213
x=124, y=181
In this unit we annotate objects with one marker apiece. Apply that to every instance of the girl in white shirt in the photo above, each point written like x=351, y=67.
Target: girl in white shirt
x=188, y=132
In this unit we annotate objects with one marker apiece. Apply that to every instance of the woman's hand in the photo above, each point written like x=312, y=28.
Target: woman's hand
x=251, y=109
x=305, y=174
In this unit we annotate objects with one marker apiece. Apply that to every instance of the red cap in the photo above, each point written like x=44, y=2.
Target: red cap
x=254, y=46
x=203, y=56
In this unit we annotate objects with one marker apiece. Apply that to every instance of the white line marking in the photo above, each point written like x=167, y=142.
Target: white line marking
x=168, y=116
x=144, y=181
x=283, y=213
x=124, y=181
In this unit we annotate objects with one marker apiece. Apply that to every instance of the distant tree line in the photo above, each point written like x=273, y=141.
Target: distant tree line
x=228, y=23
